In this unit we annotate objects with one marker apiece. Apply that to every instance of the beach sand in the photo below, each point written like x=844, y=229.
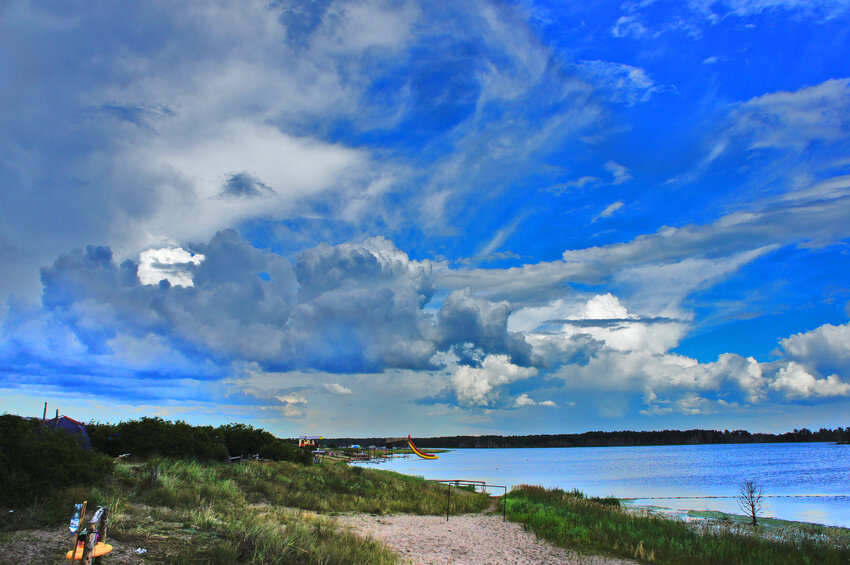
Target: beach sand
x=472, y=539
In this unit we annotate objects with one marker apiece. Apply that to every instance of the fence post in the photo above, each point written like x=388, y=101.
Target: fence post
x=448, y=500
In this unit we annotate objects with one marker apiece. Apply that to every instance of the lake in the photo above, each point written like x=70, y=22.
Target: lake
x=809, y=482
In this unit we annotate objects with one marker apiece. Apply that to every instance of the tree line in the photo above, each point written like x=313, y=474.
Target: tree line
x=618, y=439
x=36, y=459
x=158, y=437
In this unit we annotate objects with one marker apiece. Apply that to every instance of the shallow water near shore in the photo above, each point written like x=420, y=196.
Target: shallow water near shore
x=807, y=482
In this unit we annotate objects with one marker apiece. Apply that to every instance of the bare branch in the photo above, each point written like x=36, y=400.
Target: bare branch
x=750, y=500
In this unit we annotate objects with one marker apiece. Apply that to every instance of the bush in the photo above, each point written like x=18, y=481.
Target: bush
x=154, y=436
x=35, y=461
x=157, y=437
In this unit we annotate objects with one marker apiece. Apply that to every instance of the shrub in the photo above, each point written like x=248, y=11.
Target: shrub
x=35, y=461
x=157, y=437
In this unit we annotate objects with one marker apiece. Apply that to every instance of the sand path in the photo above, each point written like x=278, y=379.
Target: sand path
x=472, y=539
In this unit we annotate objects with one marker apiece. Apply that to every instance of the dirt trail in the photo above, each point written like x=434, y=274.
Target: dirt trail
x=40, y=547
x=471, y=539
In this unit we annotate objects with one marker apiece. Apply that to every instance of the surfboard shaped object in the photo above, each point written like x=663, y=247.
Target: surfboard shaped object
x=100, y=549
x=419, y=452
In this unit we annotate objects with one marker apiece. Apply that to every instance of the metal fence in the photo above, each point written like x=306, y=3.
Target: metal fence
x=482, y=485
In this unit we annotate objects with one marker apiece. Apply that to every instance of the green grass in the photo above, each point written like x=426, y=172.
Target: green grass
x=568, y=519
x=247, y=513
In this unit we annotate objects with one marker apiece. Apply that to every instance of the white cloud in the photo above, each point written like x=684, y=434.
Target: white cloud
x=753, y=7
x=609, y=210
x=336, y=388
x=602, y=307
x=794, y=120
x=627, y=83
x=629, y=25
x=680, y=250
x=827, y=346
x=689, y=404
x=171, y=264
x=295, y=399
x=368, y=25
x=620, y=173
x=830, y=189
x=524, y=400
x=659, y=289
x=479, y=386
x=795, y=382
x=500, y=237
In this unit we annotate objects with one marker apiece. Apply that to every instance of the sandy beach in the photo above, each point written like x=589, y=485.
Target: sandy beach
x=472, y=539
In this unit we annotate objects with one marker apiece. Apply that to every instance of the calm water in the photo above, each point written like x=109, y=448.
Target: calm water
x=785, y=471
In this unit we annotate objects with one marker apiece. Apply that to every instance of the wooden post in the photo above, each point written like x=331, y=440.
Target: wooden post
x=448, y=501
x=44, y=416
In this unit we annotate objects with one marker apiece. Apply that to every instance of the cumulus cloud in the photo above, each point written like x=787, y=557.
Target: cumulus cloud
x=826, y=348
x=336, y=388
x=171, y=264
x=689, y=404
x=335, y=121
x=480, y=386
x=524, y=400
x=243, y=185
x=602, y=320
x=796, y=382
x=294, y=399
x=245, y=123
x=356, y=307
x=467, y=320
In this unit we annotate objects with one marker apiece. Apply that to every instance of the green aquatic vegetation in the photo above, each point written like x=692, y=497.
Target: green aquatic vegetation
x=569, y=519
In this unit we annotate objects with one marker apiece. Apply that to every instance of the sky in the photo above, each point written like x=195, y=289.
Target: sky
x=431, y=218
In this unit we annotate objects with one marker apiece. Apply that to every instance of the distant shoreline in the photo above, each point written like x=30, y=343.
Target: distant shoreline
x=839, y=436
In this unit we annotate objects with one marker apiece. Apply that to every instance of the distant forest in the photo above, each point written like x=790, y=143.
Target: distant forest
x=613, y=439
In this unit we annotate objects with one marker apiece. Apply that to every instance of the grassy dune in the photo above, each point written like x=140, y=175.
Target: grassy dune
x=248, y=513
x=265, y=513
x=568, y=519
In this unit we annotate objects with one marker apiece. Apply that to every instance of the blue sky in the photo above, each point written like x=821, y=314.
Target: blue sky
x=358, y=218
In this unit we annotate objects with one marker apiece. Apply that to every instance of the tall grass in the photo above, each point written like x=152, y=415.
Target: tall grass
x=336, y=487
x=251, y=512
x=570, y=520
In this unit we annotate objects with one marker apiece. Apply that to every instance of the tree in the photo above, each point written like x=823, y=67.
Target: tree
x=750, y=500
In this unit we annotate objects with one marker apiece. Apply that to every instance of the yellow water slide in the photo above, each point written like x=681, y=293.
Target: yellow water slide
x=418, y=452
